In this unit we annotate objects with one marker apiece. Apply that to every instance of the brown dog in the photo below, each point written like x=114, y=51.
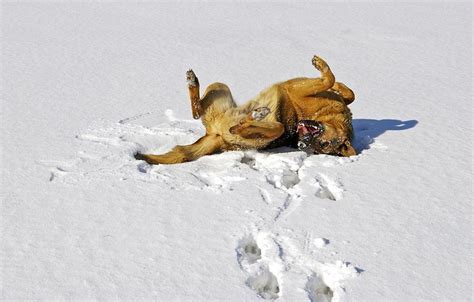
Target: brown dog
x=311, y=113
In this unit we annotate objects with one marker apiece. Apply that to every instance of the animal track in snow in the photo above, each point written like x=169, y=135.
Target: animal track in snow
x=248, y=251
x=281, y=170
x=265, y=284
x=325, y=280
x=291, y=173
x=328, y=188
x=268, y=258
x=285, y=171
x=261, y=279
x=317, y=290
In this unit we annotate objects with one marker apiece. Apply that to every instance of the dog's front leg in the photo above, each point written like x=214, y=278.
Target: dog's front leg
x=253, y=126
x=259, y=130
x=255, y=115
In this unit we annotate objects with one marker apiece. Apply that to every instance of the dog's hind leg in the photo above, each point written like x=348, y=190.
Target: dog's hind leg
x=206, y=145
x=216, y=99
x=193, y=89
x=303, y=87
x=345, y=92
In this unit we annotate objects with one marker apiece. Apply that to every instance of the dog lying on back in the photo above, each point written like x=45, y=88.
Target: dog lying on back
x=308, y=113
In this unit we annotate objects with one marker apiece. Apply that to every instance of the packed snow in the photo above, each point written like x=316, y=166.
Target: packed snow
x=86, y=85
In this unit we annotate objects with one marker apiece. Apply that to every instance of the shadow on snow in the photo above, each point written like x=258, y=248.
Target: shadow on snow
x=366, y=130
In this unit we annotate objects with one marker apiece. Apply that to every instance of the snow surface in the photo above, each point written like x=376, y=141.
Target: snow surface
x=85, y=85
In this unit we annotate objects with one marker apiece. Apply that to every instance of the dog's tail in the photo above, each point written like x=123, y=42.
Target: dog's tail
x=344, y=91
x=206, y=145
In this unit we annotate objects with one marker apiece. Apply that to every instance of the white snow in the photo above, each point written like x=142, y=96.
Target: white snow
x=320, y=242
x=87, y=84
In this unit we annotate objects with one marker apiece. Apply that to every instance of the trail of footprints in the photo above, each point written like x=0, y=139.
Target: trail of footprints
x=266, y=265
x=260, y=277
x=265, y=259
x=285, y=171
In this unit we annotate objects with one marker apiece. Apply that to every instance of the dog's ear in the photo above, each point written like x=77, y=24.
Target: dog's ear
x=347, y=150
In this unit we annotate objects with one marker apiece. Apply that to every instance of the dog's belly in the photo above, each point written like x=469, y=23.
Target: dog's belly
x=269, y=98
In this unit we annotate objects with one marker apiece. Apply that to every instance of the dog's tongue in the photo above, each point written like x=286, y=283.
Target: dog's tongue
x=302, y=129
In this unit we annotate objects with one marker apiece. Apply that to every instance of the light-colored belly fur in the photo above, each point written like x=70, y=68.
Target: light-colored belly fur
x=220, y=121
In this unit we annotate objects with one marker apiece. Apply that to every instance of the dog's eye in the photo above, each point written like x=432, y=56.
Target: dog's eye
x=324, y=144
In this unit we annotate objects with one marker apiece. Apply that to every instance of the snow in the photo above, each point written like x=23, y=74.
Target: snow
x=85, y=85
x=320, y=242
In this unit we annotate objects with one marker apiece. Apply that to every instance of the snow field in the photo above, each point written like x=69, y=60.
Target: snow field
x=87, y=84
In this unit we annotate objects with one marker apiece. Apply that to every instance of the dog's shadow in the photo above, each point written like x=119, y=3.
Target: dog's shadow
x=366, y=130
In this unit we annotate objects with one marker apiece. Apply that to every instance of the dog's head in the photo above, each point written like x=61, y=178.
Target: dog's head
x=318, y=138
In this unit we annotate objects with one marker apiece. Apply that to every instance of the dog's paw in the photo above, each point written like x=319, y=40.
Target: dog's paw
x=319, y=63
x=191, y=78
x=260, y=113
x=234, y=129
x=237, y=128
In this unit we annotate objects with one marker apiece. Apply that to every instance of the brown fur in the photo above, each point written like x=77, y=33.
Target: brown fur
x=232, y=127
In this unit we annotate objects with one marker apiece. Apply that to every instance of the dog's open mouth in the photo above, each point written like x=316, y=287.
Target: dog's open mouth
x=308, y=130
x=306, y=127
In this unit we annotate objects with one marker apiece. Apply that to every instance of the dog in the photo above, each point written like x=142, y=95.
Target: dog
x=308, y=113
